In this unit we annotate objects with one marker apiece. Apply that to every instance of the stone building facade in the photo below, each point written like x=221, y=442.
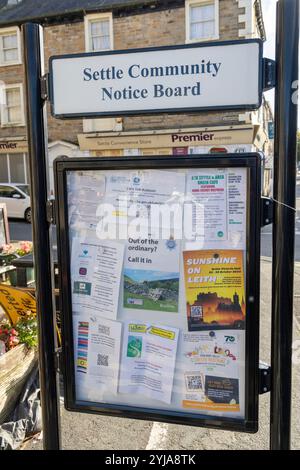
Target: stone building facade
x=73, y=27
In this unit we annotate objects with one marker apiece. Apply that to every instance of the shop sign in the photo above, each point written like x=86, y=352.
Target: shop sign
x=13, y=146
x=189, y=137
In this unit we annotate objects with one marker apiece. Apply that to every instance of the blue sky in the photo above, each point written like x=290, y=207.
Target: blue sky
x=269, y=12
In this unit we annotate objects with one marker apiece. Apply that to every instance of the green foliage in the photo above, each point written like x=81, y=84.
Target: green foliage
x=172, y=284
x=28, y=331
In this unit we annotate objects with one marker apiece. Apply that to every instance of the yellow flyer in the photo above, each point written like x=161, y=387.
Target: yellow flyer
x=214, y=289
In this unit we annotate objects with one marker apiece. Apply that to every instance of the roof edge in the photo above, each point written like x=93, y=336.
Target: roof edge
x=81, y=12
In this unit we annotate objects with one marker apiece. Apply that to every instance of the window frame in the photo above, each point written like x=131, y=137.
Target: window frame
x=3, y=108
x=8, y=32
x=98, y=16
x=193, y=3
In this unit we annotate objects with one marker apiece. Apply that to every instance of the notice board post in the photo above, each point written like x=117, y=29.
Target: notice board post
x=36, y=119
x=284, y=220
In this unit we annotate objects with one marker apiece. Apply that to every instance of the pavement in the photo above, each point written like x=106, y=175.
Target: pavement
x=92, y=432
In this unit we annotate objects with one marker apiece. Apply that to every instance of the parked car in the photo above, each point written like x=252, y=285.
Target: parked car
x=17, y=200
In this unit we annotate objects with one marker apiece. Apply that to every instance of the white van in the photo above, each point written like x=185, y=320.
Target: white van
x=17, y=200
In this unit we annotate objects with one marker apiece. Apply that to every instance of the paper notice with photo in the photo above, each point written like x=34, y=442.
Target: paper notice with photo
x=151, y=274
x=95, y=275
x=97, y=356
x=148, y=360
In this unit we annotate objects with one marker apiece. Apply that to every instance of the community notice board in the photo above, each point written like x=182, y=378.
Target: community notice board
x=157, y=285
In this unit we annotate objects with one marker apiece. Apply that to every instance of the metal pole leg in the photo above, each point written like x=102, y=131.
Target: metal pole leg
x=284, y=221
x=36, y=119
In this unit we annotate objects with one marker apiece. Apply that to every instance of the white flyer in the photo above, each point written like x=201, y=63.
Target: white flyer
x=215, y=208
x=86, y=190
x=148, y=360
x=97, y=356
x=150, y=199
x=208, y=191
x=95, y=275
x=237, y=214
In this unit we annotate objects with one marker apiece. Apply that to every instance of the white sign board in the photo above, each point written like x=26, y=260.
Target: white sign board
x=168, y=79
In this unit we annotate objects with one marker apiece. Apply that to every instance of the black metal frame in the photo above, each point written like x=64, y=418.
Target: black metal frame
x=250, y=161
x=166, y=110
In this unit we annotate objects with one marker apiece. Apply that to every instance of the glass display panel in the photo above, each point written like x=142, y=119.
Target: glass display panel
x=158, y=288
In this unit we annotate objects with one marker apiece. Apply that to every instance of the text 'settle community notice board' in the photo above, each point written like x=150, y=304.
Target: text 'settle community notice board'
x=160, y=287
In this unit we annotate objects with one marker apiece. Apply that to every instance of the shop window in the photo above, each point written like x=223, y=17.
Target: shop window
x=3, y=168
x=202, y=20
x=98, y=32
x=10, y=47
x=17, y=168
x=12, y=110
x=14, y=168
x=27, y=167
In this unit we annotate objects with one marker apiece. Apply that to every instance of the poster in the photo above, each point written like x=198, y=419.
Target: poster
x=96, y=275
x=148, y=360
x=214, y=289
x=151, y=274
x=217, y=207
x=97, y=349
x=211, y=371
x=209, y=193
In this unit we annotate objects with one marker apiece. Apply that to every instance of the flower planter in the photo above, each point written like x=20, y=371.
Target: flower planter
x=15, y=366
